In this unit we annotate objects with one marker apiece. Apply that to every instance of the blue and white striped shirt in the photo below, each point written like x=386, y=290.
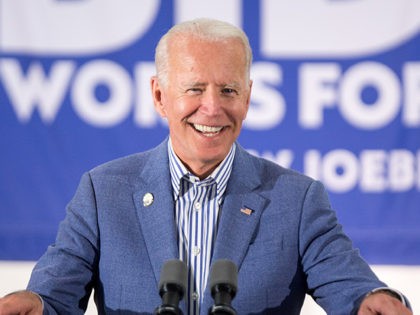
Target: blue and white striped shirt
x=197, y=204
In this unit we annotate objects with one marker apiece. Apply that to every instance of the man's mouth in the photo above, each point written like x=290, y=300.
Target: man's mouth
x=208, y=131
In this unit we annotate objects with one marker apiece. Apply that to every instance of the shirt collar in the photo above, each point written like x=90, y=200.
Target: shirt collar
x=220, y=175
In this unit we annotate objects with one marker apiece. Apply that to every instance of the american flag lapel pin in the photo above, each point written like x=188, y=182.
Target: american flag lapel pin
x=246, y=210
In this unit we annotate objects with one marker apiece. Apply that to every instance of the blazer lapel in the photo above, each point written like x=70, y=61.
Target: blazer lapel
x=241, y=210
x=239, y=218
x=155, y=208
x=239, y=215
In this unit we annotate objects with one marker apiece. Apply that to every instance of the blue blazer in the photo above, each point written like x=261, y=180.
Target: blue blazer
x=290, y=245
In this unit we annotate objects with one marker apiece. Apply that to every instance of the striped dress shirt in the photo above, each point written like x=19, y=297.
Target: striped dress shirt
x=197, y=204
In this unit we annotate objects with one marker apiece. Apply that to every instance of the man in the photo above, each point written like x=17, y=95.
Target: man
x=200, y=197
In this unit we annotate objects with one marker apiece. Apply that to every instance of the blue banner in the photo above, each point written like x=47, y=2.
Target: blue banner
x=336, y=95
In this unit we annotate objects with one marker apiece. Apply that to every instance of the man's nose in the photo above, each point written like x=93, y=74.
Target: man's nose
x=211, y=102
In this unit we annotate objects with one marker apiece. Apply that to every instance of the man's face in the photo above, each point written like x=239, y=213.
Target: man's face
x=205, y=100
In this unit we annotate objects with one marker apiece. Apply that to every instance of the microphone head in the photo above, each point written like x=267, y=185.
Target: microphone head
x=224, y=272
x=174, y=272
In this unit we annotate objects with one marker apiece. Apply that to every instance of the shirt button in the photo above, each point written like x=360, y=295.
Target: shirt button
x=197, y=206
x=196, y=250
x=194, y=296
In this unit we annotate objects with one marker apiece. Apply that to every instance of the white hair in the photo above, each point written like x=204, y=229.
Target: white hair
x=203, y=28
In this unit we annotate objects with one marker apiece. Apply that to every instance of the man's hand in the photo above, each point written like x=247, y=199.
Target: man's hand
x=19, y=303
x=380, y=303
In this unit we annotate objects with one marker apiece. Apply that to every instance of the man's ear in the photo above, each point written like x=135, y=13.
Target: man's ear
x=157, y=96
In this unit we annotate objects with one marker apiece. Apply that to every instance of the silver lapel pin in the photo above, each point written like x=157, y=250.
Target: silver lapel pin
x=147, y=199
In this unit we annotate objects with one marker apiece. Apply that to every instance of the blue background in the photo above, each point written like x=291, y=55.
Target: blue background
x=41, y=163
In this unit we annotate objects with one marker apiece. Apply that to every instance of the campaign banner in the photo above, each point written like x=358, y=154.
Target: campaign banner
x=336, y=96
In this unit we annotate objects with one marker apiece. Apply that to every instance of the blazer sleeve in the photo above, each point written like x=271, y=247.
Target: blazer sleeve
x=64, y=274
x=337, y=277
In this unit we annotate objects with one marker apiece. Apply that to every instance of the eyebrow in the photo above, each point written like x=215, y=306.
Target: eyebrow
x=202, y=84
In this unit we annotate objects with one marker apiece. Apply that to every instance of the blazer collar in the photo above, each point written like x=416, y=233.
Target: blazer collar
x=240, y=214
x=155, y=207
x=241, y=209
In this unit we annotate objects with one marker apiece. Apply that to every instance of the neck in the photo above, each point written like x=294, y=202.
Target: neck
x=201, y=171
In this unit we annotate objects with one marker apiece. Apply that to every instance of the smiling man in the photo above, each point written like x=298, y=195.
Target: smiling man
x=204, y=93
x=200, y=197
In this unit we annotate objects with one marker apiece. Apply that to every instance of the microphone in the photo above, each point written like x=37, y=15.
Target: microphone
x=172, y=284
x=223, y=284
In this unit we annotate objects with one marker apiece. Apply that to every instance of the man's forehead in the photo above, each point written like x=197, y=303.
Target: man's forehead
x=180, y=42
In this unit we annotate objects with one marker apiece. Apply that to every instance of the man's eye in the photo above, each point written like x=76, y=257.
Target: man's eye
x=194, y=91
x=229, y=91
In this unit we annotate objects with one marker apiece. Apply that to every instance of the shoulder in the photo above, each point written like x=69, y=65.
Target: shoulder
x=121, y=166
x=133, y=163
x=268, y=170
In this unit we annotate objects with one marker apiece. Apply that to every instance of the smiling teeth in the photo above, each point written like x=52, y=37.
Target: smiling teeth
x=207, y=129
